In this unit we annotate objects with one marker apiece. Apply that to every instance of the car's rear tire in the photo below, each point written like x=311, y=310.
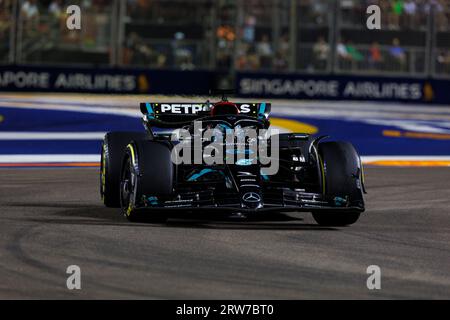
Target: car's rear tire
x=342, y=178
x=113, y=150
x=147, y=171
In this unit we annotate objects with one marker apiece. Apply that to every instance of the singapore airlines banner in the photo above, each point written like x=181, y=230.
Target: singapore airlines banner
x=292, y=86
x=199, y=82
x=104, y=80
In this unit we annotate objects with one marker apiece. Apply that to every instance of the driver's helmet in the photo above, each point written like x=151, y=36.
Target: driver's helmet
x=224, y=108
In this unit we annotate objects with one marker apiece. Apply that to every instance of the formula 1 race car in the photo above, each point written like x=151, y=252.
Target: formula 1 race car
x=151, y=174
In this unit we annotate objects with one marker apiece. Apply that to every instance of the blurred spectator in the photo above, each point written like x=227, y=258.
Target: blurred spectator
x=5, y=20
x=139, y=9
x=161, y=61
x=350, y=12
x=375, y=56
x=224, y=55
x=149, y=26
x=225, y=45
x=438, y=9
x=248, y=59
x=242, y=51
x=321, y=51
x=441, y=17
x=280, y=62
x=265, y=52
x=348, y=55
x=187, y=64
x=261, y=9
x=181, y=52
x=398, y=54
x=410, y=8
x=395, y=14
x=253, y=59
x=443, y=62
x=249, y=29
x=140, y=54
x=355, y=54
x=282, y=55
x=29, y=9
x=319, y=11
x=344, y=57
x=284, y=45
x=57, y=19
x=226, y=32
x=386, y=13
x=30, y=15
x=137, y=53
x=55, y=8
x=223, y=60
x=342, y=52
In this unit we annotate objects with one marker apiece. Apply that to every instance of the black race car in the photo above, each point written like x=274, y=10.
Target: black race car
x=142, y=174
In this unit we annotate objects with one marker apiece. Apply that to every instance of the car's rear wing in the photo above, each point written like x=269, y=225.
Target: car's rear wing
x=182, y=112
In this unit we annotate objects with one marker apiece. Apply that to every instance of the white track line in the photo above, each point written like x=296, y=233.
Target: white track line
x=135, y=113
x=11, y=135
x=324, y=109
x=132, y=101
x=21, y=135
x=50, y=158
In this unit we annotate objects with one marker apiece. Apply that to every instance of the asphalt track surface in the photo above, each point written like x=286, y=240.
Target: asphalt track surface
x=53, y=218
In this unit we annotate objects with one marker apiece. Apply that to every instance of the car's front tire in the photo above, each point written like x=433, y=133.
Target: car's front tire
x=342, y=178
x=113, y=150
x=147, y=171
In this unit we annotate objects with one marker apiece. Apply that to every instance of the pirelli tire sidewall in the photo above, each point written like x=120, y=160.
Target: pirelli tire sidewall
x=342, y=177
x=112, y=152
x=150, y=163
x=342, y=171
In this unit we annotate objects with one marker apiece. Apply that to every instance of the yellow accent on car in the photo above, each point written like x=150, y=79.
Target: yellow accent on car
x=133, y=158
x=323, y=174
x=130, y=208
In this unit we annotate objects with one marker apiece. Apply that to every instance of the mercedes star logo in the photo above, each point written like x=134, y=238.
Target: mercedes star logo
x=251, y=197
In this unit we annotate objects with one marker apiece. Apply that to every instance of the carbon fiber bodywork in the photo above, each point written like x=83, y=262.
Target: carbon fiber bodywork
x=310, y=176
x=286, y=201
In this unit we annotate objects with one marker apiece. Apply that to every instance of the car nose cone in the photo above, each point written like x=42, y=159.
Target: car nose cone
x=251, y=197
x=251, y=200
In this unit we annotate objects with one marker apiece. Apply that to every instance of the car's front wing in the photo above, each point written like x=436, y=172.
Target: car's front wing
x=273, y=200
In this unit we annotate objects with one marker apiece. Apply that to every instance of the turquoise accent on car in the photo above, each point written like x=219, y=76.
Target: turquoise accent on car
x=262, y=109
x=244, y=162
x=237, y=151
x=338, y=201
x=223, y=126
x=194, y=177
x=151, y=113
x=153, y=200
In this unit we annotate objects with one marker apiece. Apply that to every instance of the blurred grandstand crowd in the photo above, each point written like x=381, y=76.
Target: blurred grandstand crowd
x=319, y=36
